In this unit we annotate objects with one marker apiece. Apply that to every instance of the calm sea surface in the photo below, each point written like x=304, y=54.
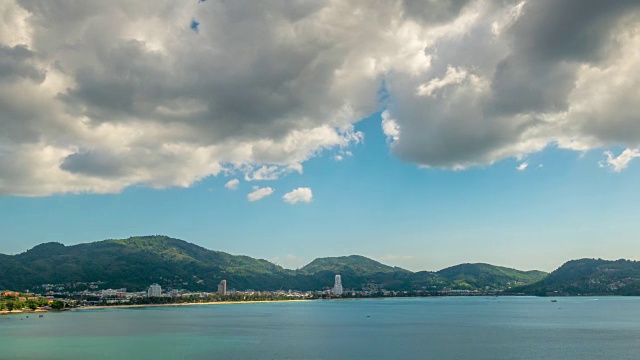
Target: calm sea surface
x=436, y=328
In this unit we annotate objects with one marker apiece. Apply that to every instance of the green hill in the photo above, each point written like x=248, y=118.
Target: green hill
x=348, y=264
x=136, y=262
x=180, y=251
x=360, y=270
x=589, y=277
x=497, y=277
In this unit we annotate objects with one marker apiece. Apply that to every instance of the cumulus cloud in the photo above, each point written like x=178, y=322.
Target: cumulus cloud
x=232, y=184
x=259, y=193
x=620, y=162
x=298, y=195
x=505, y=81
x=103, y=95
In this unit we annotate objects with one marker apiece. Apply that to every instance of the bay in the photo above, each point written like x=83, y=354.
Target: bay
x=415, y=328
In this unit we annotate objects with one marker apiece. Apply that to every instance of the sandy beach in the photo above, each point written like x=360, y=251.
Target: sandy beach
x=149, y=305
x=6, y=312
x=185, y=304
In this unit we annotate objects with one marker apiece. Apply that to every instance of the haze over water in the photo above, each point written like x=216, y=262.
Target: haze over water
x=427, y=328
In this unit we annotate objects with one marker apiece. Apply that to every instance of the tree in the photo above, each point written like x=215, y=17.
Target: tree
x=57, y=305
x=19, y=305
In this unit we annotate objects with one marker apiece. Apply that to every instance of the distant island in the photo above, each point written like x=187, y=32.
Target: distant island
x=176, y=265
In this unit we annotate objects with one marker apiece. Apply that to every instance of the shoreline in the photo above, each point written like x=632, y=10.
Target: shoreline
x=101, y=307
x=7, y=312
x=133, y=306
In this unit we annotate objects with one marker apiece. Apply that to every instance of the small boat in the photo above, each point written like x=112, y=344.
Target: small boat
x=554, y=300
x=40, y=316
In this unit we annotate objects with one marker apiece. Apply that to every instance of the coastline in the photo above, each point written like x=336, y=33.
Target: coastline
x=101, y=307
x=7, y=312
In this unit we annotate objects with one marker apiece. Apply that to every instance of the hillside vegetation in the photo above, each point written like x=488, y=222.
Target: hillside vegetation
x=136, y=262
x=355, y=264
x=478, y=275
x=589, y=277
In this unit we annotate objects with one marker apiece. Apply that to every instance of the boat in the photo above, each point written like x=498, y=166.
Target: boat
x=554, y=300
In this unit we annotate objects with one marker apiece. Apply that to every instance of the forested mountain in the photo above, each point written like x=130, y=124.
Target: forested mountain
x=136, y=262
x=589, y=276
x=355, y=264
x=478, y=275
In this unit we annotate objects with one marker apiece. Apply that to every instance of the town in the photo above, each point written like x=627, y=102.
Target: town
x=57, y=297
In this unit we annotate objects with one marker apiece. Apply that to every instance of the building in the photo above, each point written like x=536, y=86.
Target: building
x=337, y=287
x=108, y=293
x=222, y=287
x=113, y=293
x=154, y=290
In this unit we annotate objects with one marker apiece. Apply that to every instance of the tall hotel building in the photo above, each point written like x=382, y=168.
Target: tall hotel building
x=337, y=287
x=222, y=287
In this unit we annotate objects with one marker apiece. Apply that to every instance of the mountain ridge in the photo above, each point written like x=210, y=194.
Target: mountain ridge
x=349, y=262
x=588, y=276
x=138, y=261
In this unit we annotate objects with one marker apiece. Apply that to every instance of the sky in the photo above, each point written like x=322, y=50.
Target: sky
x=422, y=134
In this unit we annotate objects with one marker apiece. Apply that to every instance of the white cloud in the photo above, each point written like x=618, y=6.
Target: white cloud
x=390, y=127
x=99, y=97
x=232, y=184
x=298, y=195
x=522, y=166
x=273, y=172
x=620, y=162
x=453, y=76
x=138, y=98
x=520, y=86
x=341, y=155
x=259, y=193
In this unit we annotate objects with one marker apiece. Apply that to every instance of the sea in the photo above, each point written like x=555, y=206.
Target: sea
x=392, y=328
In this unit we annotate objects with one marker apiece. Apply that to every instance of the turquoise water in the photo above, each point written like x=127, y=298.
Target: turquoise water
x=434, y=328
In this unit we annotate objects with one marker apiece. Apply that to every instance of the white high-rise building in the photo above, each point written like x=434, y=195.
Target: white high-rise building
x=337, y=287
x=222, y=287
x=155, y=290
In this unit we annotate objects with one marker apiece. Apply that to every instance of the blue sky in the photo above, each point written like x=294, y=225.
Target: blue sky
x=370, y=203
x=422, y=134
